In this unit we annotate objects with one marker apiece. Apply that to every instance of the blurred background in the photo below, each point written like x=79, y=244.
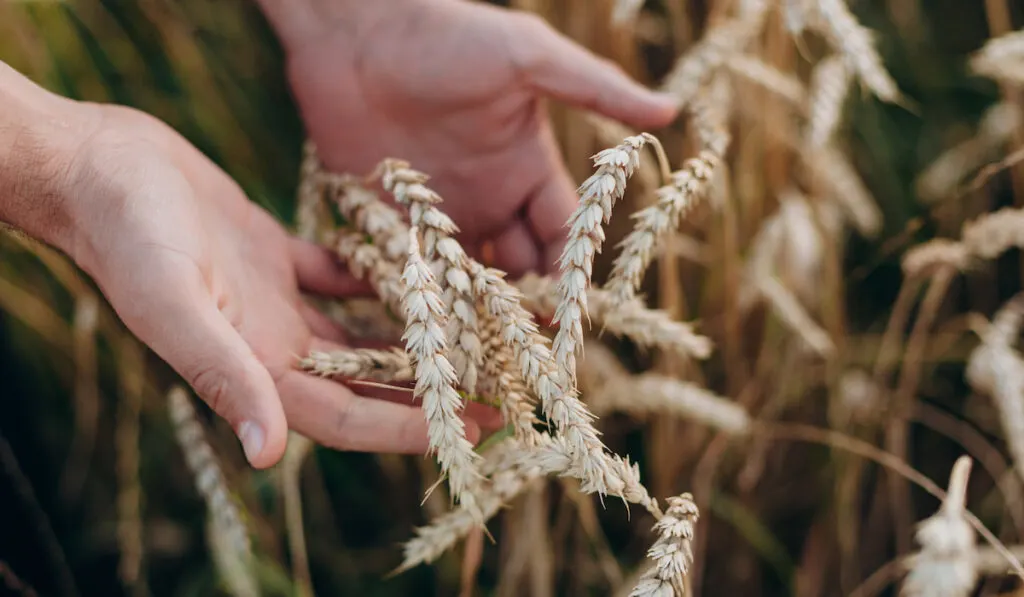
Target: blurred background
x=781, y=520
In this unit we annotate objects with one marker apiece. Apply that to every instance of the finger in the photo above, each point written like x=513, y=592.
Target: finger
x=195, y=338
x=515, y=249
x=321, y=325
x=558, y=67
x=331, y=414
x=320, y=272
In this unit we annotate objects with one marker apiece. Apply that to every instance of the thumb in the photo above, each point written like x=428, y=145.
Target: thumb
x=560, y=68
x=198, y=342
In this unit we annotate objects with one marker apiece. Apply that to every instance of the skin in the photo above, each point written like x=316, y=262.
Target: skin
x=212, y=283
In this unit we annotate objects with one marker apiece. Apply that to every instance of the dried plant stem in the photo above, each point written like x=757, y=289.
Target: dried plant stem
x=86, y=393
x=129, y=494
x=834, y=439
x=57, y=565
x=906, y=389
x=295, y=455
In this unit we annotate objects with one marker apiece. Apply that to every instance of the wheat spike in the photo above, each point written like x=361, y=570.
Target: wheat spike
x=946, y=565
x=226, y=531
x=360, y=363
x=857, y=46
x=830, y=84
x=672, y=552
x=598, y=195
x=435, y=378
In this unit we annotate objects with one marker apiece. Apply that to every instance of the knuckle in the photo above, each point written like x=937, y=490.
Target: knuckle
x=212, y=385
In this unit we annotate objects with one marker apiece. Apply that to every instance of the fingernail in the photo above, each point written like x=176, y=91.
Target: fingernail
x=251, y=435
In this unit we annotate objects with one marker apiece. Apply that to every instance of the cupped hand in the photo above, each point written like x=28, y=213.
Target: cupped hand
x=211, y=282
x=455, y=87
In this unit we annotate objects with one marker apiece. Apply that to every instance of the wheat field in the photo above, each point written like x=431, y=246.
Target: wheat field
x=778, y=356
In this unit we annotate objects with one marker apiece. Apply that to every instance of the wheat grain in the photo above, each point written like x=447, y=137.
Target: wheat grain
x=690, y=184
x=367, y=261
x=996, y=368
x=991, y=234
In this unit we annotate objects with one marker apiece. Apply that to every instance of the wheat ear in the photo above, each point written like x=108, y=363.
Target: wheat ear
x=830, y=84
x=598, y=195
x=672, y=552
x=360, y=363
x=856, y=44
x=649, y=328
x=947, y=564
x=228, y=535
x=1001, y=58
x=409, y=189
x=435, y=377
x=694, y=69
x=654, y=223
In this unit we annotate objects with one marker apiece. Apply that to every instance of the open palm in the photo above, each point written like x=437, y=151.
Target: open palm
x=455, y=87
x=212, y=283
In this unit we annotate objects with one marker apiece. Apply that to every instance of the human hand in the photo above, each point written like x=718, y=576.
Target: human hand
x=207, y=279
x=455, y=88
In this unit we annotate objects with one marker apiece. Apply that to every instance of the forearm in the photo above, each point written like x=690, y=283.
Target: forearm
x=38, y=134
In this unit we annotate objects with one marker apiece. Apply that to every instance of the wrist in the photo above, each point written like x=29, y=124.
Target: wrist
x=39, y=136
